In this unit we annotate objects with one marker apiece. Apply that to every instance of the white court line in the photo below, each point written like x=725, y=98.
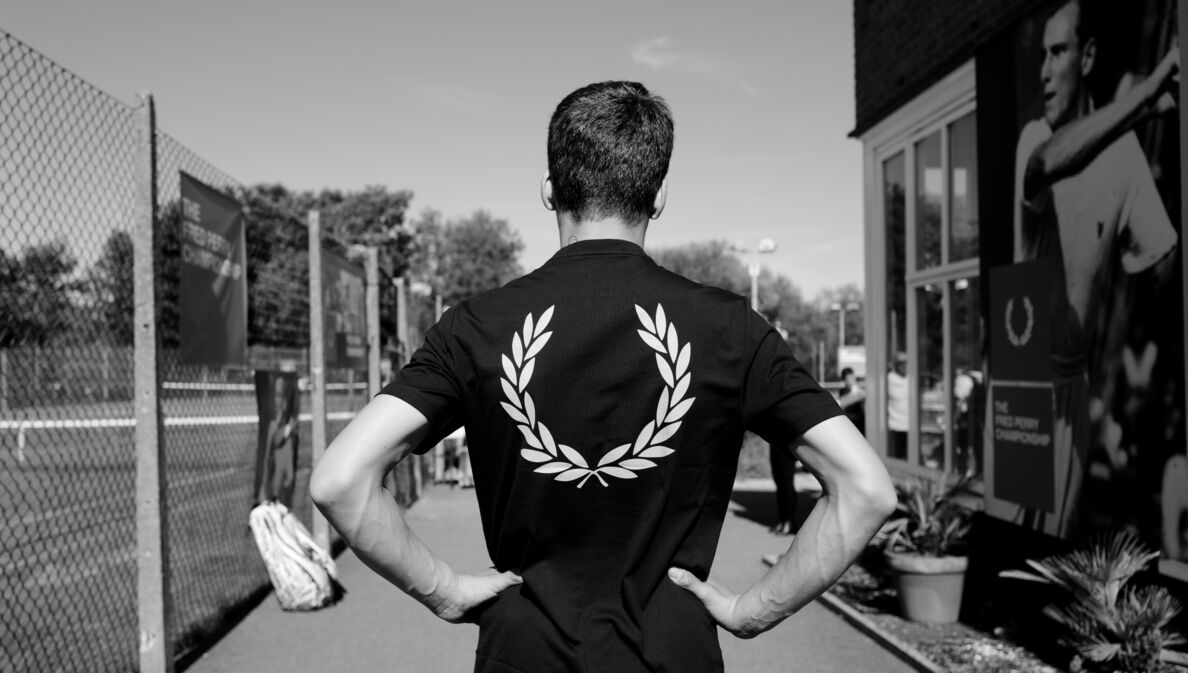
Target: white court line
x=251, y=387
x=184, y=421
x=25, y=425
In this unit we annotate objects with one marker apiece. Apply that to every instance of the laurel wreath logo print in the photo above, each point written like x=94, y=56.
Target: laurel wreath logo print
x=621, y=462
x=1018, y=340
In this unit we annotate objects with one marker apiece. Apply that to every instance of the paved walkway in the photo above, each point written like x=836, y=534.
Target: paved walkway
x=377, y=628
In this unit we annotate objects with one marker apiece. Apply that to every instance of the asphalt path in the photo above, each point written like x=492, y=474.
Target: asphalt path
x=377, y=628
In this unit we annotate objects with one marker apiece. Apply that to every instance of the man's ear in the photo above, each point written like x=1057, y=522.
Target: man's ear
x=1088, y=56
x=661, y=199
x=546, y=192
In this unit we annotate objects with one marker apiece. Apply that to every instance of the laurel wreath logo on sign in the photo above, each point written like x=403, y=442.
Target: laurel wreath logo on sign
x=621, y=462
x=1019, y=340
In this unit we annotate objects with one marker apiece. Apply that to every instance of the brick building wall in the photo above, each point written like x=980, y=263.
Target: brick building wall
x=901, y=47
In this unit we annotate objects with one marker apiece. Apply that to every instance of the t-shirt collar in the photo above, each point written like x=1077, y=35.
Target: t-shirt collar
x=599, y=246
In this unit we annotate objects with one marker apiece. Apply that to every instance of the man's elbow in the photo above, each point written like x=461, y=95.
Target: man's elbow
x=877, y=493
x=327, y=486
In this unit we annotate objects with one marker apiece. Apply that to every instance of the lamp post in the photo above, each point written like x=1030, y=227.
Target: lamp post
x=841, y=325
x=765, y=245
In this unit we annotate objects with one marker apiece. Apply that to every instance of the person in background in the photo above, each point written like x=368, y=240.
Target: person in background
x=897, y=407
x=852, y=398
x=783, y=473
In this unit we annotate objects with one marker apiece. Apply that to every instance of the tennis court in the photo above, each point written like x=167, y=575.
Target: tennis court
x=67, y=492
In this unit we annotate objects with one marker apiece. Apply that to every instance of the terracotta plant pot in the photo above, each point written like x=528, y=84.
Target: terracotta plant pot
x=929, y=587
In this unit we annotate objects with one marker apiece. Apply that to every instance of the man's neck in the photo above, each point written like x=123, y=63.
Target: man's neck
x=572, y=231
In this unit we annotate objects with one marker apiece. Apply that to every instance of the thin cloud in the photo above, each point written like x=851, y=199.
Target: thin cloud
x=659, y=53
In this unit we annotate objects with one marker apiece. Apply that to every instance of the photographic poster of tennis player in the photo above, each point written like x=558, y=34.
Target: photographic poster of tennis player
x=276, y=445
x=1079, y=138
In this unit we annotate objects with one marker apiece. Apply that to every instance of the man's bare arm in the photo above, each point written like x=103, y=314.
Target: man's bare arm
x=857, y=496
x=1074, y=145
x=347, y=486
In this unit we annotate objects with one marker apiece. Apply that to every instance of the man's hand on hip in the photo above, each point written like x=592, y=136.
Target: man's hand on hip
x=721, y=603
x=462, y=593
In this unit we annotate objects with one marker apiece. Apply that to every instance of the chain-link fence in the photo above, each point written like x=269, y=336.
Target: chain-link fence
x=68, y=455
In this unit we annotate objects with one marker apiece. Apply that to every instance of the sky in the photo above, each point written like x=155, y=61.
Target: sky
x=451, y=101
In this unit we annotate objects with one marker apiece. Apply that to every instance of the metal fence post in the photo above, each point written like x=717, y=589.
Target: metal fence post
x=4, y=381
x=401, y=321
x=402, y=354
x=38, y=376
x=317, y=365
x=106, y=383
x=373, y=323
x=152, y=553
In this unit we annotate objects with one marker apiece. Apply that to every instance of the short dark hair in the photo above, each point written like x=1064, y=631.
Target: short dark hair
x=1086, y=28
x=846, y=372
x=609, y=148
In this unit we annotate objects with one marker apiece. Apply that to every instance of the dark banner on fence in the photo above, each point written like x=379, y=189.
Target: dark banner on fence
x=345, y=307
x=213, y=292
x=276, y=448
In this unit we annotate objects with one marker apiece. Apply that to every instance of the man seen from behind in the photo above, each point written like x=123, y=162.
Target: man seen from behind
x=605, y=400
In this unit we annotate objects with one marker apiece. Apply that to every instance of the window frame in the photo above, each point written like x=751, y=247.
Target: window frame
x=936, y=109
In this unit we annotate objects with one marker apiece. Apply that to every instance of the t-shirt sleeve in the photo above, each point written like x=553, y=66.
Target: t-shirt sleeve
x=429, y=384
x=1146, y=228
x=781, y=399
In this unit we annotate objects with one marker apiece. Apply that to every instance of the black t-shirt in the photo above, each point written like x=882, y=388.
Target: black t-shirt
x=605, y=400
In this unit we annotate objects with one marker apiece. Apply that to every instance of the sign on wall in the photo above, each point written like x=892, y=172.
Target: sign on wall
x=212, y=278
x=1078, y=137
x=1021, y=385
x=344, y=302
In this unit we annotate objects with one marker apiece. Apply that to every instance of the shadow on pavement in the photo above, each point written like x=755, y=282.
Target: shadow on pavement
x=759, y=505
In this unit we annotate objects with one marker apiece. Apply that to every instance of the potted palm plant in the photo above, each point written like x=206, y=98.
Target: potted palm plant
x=1108, y=626
x=924, y=545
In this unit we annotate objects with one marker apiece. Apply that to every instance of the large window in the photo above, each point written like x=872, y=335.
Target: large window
x=896, y=393
x=930, y=408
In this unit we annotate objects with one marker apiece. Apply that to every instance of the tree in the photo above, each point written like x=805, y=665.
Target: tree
x=712, y=263
x=277, y=241
x=276, y=235
x=846, y=295
x=806, y=323
x=373, y=216
x=458, y=259
x=112, y=287
x=708, y=263
x=476, y=254
x=36, y=291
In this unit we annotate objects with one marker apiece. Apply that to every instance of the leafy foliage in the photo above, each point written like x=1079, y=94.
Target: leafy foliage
x=458, y=259
x=708, y=263
x=476, y=254
x=928, y=520
x=277, y=243
x=1110, y=626
x=372, y=216
x=112, y=284
x=806, y=323
x=36, y=290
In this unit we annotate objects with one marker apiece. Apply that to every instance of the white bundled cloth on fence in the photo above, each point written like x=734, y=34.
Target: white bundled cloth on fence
x=302, y=573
